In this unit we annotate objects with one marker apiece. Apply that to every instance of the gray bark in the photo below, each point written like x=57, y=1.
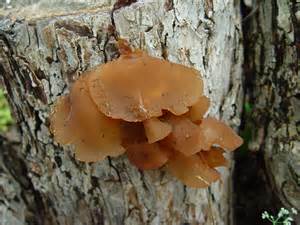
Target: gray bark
x=45, y=45
x=272, y=56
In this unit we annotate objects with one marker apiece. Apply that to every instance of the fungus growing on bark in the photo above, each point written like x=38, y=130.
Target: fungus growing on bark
x=217, y=132
x=152, y=109
x=138, y=87
x=60, y=124
x=148, y=156
x=156, y=130
x=132, y=133
x=192, y=170
x=186, y=137
x=87, y=153
x=214, y=157
x=198, y=110
x=94, y=135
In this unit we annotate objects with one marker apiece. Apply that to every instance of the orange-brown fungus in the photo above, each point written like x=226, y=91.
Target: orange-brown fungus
x=214, y=157
x=217, y=132
x=87, y=153
x=60, y=124
x=147, y=156
x=186, y=137
x=95, y=129
x=192, y=170
x=149, y=108
x=198, y=110
x=156, y=130
x=132, y=133
x=77, y=120
x=139, y=87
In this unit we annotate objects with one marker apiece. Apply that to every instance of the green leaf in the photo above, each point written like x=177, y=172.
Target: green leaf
x=5, y=115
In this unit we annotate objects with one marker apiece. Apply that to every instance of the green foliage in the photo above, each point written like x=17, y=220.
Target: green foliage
x=248, y=107
x=283, y=217
x=5, y=115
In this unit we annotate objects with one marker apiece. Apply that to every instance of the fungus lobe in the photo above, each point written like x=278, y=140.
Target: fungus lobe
x=186, y=137
x=148, y=156
x=156, y=130
x=192, y=170
x=138, y=87
x=217, y=132
x=214, y=157
x=60, y=123
x=198, y=110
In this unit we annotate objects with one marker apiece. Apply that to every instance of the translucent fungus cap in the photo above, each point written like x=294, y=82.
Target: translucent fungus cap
x=147, y=156
x=198, y=110
x=95, y=129
x=138, y=87
x=77, y=120
x=88, y=153
x=186, y=137
x=218, y=133
x=214, y=157
x=156, y=130
x=60, y=123
x=192, y=170
x=132, y=133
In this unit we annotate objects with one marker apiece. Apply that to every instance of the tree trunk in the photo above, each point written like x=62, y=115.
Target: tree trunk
x=45, y=45
x=272, y=72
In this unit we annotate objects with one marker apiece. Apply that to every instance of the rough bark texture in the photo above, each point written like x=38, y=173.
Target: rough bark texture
x=45, y=45
x=272, y=71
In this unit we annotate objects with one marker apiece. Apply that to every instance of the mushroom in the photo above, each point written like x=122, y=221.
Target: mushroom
x=198, y=110
x=214, y=157
x=132, y=133
x=77, y=120
x=156, y=130
x=139, y=152
x=137, y=87
x=148, y=156
x=152, y=109
x=86, y=153
x=217, y=132
x=60, y=122
x=186, y=137
x=192, y=170
x=95, y=129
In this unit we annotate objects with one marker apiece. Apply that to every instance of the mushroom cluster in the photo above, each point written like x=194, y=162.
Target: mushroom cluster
x=148, y=108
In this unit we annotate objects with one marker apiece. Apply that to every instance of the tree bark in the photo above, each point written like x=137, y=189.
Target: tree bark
x=45, y=45
x=273, y=77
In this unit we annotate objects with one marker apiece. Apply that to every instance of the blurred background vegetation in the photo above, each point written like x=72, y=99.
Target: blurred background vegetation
x=5, y=115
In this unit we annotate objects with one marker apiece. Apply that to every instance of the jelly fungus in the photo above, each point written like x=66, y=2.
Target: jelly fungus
x=214, y=157
x=140, y=87
x=152, y=110
x=186, y=137
x=192, y=170
x=156, y=130
x=198, y=110
x=217, y=132
x=60, y=121
x=148, y=156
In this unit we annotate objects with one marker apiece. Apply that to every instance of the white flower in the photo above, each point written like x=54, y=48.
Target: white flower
x=283, y=216
x=265, y=215
x=294, y=211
